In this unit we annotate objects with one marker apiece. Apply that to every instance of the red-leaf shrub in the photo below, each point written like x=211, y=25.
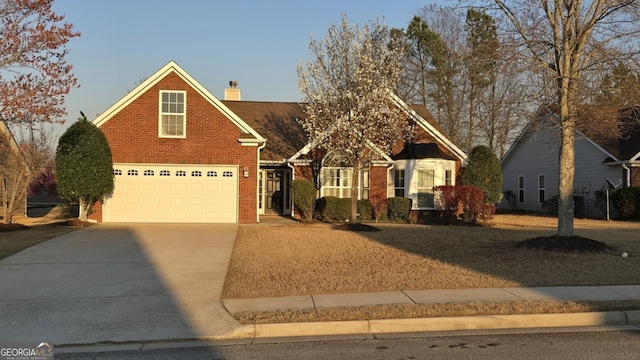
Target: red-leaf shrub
x=466, y=201
x=44, y=182
x=379, y=206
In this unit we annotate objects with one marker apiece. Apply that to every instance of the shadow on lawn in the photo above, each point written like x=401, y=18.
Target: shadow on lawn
x=528, y=256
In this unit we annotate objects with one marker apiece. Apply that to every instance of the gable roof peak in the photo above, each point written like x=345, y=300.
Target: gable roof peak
x=173, y=67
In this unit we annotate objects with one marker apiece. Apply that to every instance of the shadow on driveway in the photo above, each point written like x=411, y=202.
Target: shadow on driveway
x=119, y=283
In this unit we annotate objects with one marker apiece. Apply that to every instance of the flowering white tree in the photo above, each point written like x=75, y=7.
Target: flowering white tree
x=347, y=90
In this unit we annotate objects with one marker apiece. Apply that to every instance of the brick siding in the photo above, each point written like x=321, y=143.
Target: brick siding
x=211, y=138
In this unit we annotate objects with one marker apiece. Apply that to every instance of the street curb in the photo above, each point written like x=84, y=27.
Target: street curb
x=246, y=334
x=446, y=324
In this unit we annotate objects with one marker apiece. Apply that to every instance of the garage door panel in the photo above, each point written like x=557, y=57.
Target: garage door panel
x=164, y=186
x=170, y=198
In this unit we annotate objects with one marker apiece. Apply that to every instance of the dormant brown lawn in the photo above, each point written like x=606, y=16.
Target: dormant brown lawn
x=314, y=259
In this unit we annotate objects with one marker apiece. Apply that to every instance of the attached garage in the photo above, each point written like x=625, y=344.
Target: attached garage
x=173, y=193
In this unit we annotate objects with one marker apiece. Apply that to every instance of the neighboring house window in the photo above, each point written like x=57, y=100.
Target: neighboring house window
x=541, y=188
x=448, y=177
x=426, y=180
x=336, y=182
x=521, y=189
x=398, y=181
x=172, y=114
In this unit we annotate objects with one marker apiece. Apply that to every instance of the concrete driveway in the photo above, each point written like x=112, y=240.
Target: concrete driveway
x=125, y=282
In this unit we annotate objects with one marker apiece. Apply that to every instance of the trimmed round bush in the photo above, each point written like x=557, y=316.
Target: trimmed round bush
x=365, y=211
x=333, y=208
x=303, y=194
x=399, y=208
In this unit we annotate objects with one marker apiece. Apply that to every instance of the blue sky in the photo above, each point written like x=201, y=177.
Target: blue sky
x=257, y=43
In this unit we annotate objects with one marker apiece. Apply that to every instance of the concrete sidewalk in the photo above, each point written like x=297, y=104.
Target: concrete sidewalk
x=628, y=320
x=562, y=293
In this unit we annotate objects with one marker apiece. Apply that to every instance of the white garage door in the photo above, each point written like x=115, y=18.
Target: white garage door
x=173, y=193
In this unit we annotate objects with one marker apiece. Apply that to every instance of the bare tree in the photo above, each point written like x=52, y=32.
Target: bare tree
x=20, y=165
x=564, y=39
x=347, y=87
x=503, y=108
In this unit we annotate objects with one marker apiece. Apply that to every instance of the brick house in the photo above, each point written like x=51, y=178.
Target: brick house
x=182, y=155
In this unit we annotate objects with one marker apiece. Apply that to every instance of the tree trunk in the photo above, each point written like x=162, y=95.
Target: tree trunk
x=355, y=177
x=567, y=172
x=84, y=209
x=5, y=200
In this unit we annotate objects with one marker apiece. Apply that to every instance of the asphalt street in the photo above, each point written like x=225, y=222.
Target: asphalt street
x=547, y=345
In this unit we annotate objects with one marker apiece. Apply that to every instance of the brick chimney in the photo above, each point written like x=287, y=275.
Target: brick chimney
x=232, y=92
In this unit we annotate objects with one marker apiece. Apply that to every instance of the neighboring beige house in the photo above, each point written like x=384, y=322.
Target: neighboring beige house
x=13, y=173
x=607, y=148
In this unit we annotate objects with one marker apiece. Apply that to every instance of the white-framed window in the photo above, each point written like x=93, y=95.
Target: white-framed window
x=448, y=177
x=426, y=181
x=398, y=182
x=521, y=189
x=364, y=184
x=173, y=111
x=542, y=187
x=336, y=181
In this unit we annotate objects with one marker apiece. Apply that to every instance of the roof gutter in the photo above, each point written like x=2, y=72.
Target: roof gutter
x=626, y=166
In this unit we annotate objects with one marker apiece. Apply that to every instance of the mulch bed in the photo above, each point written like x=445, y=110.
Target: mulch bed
x=12, y=227
x=75, y=223
x=354, y=227
x=566, y=244
x=71, y=223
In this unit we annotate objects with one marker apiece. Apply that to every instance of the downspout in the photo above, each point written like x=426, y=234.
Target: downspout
x=293, y=177
x=258, y=182
x=628, y=177
x=390, y=176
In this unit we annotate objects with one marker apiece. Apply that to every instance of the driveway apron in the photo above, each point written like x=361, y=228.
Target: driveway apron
x=119, y=282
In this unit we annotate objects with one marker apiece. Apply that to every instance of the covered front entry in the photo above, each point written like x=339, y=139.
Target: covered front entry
x=173, y=193
x=275, y=191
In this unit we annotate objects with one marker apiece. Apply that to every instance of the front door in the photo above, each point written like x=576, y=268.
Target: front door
x=275, y=189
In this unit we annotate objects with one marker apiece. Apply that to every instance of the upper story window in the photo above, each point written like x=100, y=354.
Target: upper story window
x=173, y=120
